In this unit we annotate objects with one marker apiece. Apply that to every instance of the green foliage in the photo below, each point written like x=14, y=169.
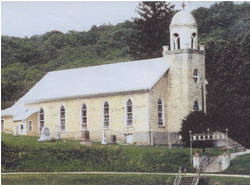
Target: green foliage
x=152, y=29
x=223, y=20
x=227, y=71
x=12, y=82
x=197, y=122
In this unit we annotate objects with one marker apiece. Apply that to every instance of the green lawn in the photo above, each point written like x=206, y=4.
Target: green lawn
x=86, y=179
x=224, y=181
x=240, y=165
x=31, y=142
x=26, y=154
x=111, y=179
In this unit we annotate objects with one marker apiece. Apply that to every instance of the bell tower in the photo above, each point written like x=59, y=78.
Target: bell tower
x=186, y=79
x=183, y=31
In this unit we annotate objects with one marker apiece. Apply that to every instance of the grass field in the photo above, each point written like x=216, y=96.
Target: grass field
x=111, y=179
x=32, y=143
x=224, y=181
x=24, y=153
x=86, y=179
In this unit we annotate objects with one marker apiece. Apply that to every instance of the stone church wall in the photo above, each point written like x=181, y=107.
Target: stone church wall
x=182, y=91
x=118, y=125
x=197, y=61
x=160, y=134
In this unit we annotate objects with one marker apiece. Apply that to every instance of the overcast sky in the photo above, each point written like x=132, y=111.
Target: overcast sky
x=35, y=18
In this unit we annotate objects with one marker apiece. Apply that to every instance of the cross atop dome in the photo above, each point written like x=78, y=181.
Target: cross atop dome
x=183, y=5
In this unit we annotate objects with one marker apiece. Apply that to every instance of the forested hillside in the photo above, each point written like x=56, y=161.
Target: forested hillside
x=223, y=28
x=27, y=60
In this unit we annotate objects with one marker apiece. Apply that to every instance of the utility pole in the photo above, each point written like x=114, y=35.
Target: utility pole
x=227, y=141
x=191, y=156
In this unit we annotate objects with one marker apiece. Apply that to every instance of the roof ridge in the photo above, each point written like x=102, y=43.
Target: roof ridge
x=98, y=66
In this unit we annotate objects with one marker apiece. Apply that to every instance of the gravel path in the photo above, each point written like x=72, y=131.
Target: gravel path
x=118, y=173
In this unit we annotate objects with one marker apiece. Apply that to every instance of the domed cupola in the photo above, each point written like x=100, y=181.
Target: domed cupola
x=183, y=31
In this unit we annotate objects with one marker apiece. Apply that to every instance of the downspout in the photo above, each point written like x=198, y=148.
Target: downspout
x=25, y=124
x=204, y=96
x=151, y=141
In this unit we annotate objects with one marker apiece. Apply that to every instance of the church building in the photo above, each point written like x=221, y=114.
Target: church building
x=140, y=102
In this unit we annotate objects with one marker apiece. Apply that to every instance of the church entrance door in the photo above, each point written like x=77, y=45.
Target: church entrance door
x=129, y=139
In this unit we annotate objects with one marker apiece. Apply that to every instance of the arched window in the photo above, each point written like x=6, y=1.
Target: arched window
x=84, y=116
x=196, y=106
x=62, y=118
x=160, y=112
x=106, y=115
x=129, y=113
x=196, y=76
x=176, y=41
x=41, y=120
x=30, y=125
x=193, y=41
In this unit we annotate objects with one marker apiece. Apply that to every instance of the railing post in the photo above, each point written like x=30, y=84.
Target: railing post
x=227, y=141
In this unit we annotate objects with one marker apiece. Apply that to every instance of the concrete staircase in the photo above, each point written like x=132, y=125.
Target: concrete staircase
x=232, y=144
x=213, y=165
x=186, y=180
x=183, y=179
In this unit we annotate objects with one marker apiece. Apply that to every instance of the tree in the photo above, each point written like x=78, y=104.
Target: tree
x=12, y=83
x=197, y=122
x=223, y=20
x=216, y=120
x=152, y=29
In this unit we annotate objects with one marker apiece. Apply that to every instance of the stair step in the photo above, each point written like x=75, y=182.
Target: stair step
x=186, y=180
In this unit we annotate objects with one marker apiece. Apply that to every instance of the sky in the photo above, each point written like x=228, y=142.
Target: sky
x=29, y=18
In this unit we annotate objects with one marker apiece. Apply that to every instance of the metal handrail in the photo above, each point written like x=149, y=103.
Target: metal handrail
x=178, y=178
x=204, y=163
x=196, y=178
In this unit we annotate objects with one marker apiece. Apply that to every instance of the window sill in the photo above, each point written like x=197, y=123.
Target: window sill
x=83, y=129
x=161, y=126
x=129, y=126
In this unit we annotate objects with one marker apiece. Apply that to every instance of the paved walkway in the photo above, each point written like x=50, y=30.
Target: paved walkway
x=119, y=173
x=234, y=155
x=214, y=165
